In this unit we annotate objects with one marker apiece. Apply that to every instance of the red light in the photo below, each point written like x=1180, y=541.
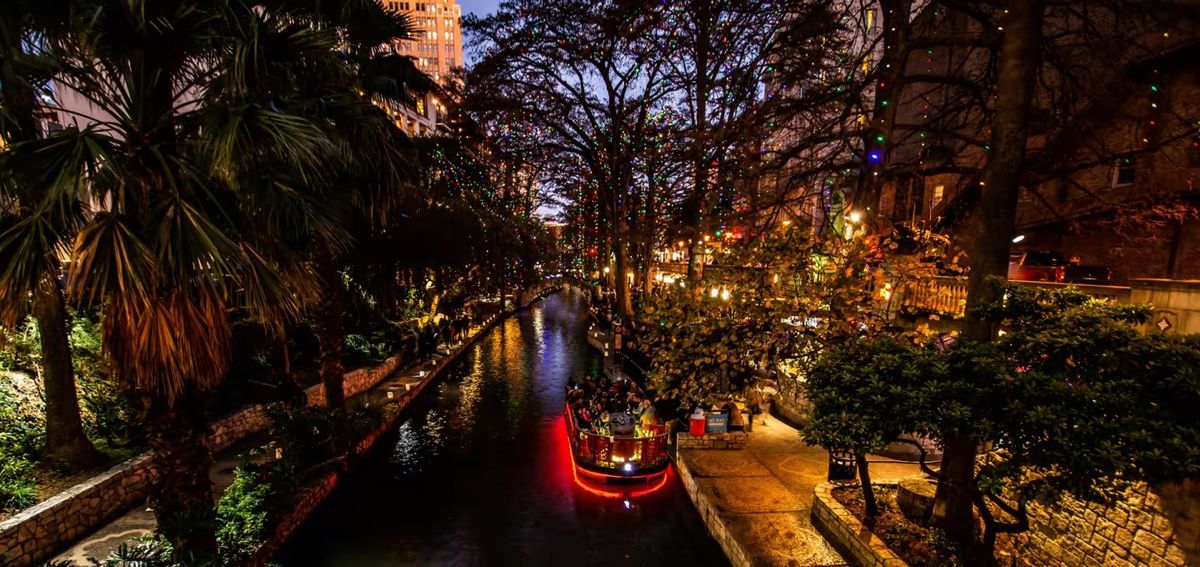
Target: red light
x=582, y=483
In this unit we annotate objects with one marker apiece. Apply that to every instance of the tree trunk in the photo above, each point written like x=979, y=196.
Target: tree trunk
x=181, y=494
x=66, y=444
x=953, y=504
x=864, y=478
x=997, y=213
x=624, y=300
x=331, y=334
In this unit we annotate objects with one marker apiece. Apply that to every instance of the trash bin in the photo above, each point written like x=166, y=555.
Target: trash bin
x=696, y=425
x=842, y=465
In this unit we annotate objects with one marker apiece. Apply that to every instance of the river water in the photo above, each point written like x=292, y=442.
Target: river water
x=477, y=472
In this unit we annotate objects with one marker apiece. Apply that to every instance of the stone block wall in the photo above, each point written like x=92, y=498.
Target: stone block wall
x=730, y=440
x=1155, y=527
x=37, y=532
x=230, y=430
x=356, y=381
x=848, y=534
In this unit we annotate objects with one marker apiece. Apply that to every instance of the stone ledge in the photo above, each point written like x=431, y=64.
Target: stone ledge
x=728, y=440
x=42, y=530
x=847, y=533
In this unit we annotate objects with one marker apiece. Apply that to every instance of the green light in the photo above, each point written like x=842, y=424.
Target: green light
x=883, y=103
x=879, y=138
x=1153, y=88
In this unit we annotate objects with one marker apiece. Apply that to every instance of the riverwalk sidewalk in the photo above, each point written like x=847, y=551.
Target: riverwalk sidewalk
x=757, y=502
x=140, y=521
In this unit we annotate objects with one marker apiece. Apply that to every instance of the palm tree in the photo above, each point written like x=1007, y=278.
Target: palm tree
x=162, y=246
x=367, y=169
x=32, y=235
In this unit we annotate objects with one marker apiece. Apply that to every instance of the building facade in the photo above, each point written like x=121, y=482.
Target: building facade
x=437, y=49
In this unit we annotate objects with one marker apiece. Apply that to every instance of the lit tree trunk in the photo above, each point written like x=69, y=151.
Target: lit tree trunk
x=624, y=301
x=66, y=444
x=997, y=214
x=331, y=334
x=181, y=495
x=868, y=491
x=700, y=165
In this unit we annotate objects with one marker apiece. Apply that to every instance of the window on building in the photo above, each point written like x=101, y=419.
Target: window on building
x=448, y=36
x=430, y=34
x=939, y=191
x=869, y=17
x=450, y=22
x=1124, y=171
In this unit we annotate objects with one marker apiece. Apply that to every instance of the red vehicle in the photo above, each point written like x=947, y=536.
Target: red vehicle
x=1053, y=266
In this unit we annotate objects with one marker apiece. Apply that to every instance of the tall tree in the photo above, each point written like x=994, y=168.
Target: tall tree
x=585, y=74
x=166, y=93
x=33, y=232
x=1019, y=62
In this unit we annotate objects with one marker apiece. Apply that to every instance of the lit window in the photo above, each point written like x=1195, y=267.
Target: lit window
x=938, y=192
x=870, y=17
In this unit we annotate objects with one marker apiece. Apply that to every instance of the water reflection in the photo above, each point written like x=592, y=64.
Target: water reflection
x=478, y=473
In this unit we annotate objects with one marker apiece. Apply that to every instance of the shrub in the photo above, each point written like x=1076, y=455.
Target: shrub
x=105, y=404
x=16, y=484
x=245, y=515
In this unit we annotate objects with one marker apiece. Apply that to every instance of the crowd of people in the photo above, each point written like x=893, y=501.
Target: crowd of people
x=447, y=330
x=611, y=407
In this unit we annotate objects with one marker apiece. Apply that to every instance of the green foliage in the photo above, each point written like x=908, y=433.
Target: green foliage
x=245, y=513
x=146, y=551
x=104, y=404
x=363, y=350
x=311, y=436
x=770, y=308
x=849, y=385
x=1073, y=398
x=17, y=490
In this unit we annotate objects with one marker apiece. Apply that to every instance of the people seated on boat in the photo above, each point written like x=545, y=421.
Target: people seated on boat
x=583, y=417
x=645, y=414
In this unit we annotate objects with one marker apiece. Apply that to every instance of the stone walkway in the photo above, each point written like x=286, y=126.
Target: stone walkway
x=140, y=521
x=757, y=501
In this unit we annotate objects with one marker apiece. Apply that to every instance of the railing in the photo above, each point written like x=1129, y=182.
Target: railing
x=613, y=452
x=940, y=295
x=948, y=295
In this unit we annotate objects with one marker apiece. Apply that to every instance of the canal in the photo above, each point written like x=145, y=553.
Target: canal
x=477, y=472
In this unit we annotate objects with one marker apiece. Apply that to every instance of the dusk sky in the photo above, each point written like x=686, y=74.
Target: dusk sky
x=479, y=7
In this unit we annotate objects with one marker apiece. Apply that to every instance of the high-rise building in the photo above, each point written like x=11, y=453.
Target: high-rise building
x=437, y=47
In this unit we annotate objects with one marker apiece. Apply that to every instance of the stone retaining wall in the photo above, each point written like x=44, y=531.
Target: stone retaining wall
x=738, y=557
x=730, y=440
x=846, y=533
x=40, y=531
x=35, y=533
x=1149, y=527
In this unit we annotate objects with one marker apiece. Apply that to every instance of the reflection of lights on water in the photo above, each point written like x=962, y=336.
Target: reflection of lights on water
x=405, y=451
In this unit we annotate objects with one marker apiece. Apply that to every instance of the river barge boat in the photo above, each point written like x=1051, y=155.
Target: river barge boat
x=633, y=456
